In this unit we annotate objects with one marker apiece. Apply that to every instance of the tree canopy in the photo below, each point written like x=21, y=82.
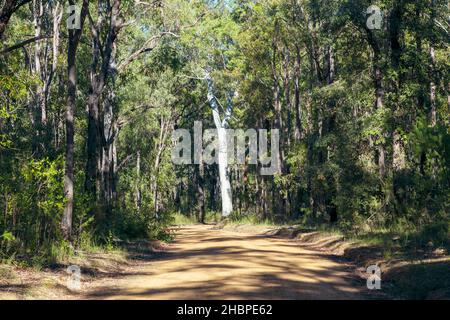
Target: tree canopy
x=87, y=114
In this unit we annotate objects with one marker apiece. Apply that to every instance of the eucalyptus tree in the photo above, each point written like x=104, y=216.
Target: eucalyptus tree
x=73, y=42
x=213, y=53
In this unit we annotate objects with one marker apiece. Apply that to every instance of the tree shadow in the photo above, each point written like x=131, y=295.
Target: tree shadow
x=236, y=267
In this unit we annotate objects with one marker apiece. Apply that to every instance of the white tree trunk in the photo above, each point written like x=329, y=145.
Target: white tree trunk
x=225, y=185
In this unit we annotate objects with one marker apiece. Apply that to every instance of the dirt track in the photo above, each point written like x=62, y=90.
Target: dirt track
x=214, y=264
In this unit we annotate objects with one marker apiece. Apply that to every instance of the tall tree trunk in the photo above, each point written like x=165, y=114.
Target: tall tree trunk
x=57, y=13
x=225, y=186
x=287, y=96
x=278, y=201
x=379, y=96
x=379, y=93
x=212, y=191
x=331, y=65
x=200, y=189
x=330, y=207
x=108, y=138
x=138, y=182
x=432, y=67
x=433, y=111
x=38, y=11
x=264, y=200
x=286, y=204
x=165, y=125
x=398, y=152
x=278, y=122
x=102, y=69
x=297, y=106
x=448, y=101
x=74, y=37
x=94, y=146
x=38, y=114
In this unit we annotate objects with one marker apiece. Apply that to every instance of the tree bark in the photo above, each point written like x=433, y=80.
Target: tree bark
x=74, y=38
x=287, y=96
x=225, y=186
x=379, y=96
x=201, y=191
x=102, y=55
x=448, y=101
x=432, y=66
x=433, y=111
x=278, y=122
x=161, y=146
x=8, y=9
x=138, y=182
x=297, y=106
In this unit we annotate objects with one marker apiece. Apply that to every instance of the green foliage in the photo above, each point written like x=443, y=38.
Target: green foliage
x=159, y=229
x=7, y=236
x=252, y=219
x=307, y=68
x=46, y=176
x=438, y=233
x=180, y=219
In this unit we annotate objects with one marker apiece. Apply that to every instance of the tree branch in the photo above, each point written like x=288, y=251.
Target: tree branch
x=149, y=45
x=24, y=43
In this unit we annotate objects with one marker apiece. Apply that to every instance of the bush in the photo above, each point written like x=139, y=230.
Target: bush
x=437, y=233
x=159, y=228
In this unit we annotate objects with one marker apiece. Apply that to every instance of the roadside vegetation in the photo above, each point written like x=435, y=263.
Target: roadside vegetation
x=415, y=263
x=360, y=100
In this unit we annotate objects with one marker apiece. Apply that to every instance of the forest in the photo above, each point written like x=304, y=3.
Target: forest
x=355, y=93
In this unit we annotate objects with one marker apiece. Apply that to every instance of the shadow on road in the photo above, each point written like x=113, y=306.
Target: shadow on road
x=214, y=264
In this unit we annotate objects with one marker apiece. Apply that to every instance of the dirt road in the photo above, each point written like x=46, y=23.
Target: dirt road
x=214, y=264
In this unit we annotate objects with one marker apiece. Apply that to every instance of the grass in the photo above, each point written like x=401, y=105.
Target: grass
x=252, y=220
x=182, y=220
x=415, y=263
x=54, y=253
x=425, y=280
x=179, y=219
x=6, y=272
x=43, y=275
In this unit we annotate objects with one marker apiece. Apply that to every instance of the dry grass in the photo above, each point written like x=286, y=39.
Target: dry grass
x=25, y=283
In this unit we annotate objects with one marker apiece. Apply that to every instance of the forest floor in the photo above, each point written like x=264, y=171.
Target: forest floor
x=224, y=262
